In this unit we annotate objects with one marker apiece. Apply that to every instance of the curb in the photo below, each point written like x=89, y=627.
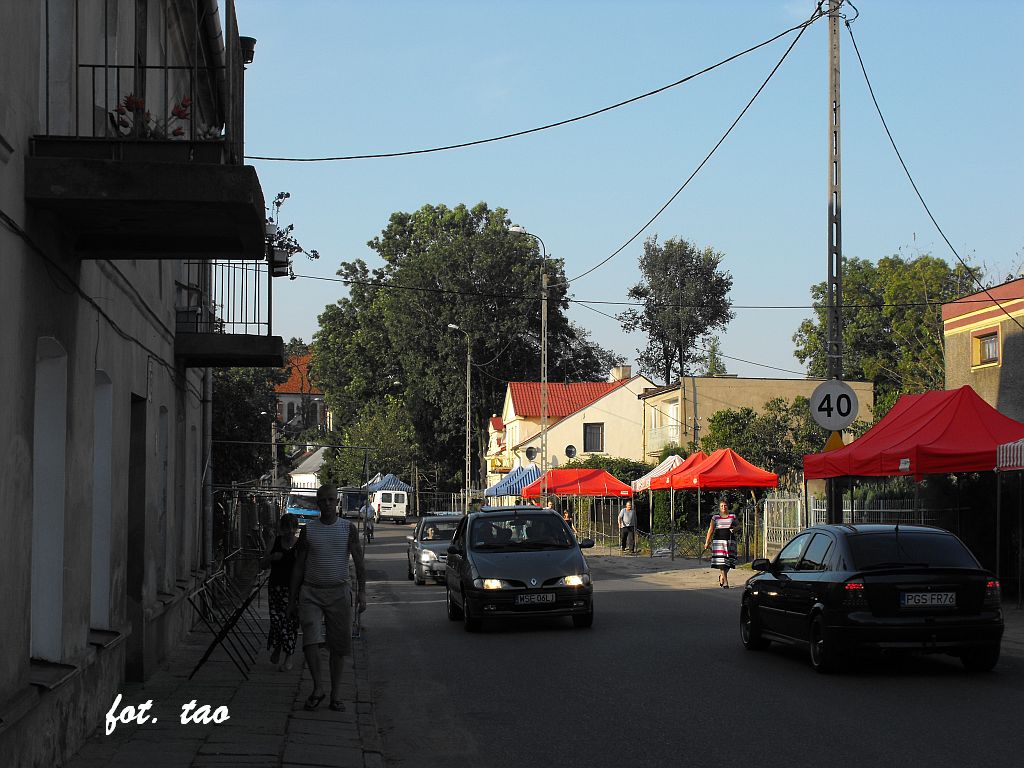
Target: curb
x=366, y=718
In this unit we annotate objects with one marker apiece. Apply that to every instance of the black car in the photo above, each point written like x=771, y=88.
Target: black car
x=427, y=550
x=517, y=561
x=845, y=588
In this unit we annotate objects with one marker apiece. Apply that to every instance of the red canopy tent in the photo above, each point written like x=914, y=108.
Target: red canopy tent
x=931, y=433
x=664, y=481
x=577, y=482
x=725, y=469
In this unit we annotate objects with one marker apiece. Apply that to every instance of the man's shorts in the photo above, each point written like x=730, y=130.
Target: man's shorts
x=330, y=606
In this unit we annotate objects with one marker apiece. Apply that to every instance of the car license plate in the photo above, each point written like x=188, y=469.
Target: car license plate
x=535, y=597
x=928, y=599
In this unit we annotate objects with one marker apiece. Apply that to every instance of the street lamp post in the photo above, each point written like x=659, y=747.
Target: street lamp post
x=469, y=413
x=543, y=358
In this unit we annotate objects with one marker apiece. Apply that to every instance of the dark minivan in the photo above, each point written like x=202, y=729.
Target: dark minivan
x=846, y=588
x=517, y=561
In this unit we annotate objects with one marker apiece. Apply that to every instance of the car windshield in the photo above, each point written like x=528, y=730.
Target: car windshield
x=524, y=531
x=906, y=549
x=440, y=530
x=295, y=501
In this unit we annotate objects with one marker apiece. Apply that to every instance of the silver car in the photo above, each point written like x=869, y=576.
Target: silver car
x=427, y=553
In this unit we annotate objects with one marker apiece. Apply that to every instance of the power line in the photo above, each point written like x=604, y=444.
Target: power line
x=516, y=134
x=910, y=178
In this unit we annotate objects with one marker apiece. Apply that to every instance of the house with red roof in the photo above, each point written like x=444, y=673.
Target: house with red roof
x=300, y=403
x=591, y=417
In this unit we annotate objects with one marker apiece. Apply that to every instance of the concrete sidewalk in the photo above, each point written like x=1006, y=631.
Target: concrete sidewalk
x=267, y=724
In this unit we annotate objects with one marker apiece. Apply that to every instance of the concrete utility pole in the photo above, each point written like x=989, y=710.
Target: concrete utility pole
x=834, y=307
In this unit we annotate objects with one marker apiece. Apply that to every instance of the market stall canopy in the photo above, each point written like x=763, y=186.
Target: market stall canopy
x=578, y=482
x=1010, y=456
x=664, y=482
x=388, y=483
x=725, y=469
x=644, y=483
x=514, y=482
x=930, y=433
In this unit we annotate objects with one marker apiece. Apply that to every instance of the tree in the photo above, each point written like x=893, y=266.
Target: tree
x=382, y=425
x=685, y=296
x=712, y=362
x=390, y=336
x=892, y=324
x=243, y=406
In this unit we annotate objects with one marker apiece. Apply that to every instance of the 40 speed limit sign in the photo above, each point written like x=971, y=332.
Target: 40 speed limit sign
x=834, y=405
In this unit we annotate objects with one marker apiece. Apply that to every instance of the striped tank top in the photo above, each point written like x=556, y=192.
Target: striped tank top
x=327, y=553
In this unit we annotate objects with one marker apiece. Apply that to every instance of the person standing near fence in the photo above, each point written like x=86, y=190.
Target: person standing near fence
x=321, y=593
x=280, y=558
x=627, y=528
x=722, y=543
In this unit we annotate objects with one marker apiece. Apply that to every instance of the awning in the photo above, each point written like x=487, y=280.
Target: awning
x=578, y=482
x=1010, y=456
x=725, y=469
x=514, y=482
x=664, y=482
x=388, y=483
x=644, y=483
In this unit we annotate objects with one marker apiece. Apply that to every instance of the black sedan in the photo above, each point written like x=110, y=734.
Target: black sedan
x=514, y=562
x=428, y=547
x=843, y=588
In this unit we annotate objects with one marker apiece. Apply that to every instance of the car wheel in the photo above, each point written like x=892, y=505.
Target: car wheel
x=583, y=620
x=469, y=622
x=454, y=611
x=823, y=655
x=418, y=578
x=980, y=659
x=750, y=630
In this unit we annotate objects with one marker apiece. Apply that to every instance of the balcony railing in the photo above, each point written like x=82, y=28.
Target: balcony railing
x=232, y=297
x=659, y=437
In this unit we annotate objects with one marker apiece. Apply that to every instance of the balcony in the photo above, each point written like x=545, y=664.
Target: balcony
x=140, y=156
x=223, y=316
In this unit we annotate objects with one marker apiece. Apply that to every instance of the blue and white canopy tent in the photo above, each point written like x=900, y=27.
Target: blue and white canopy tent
x=514, y=482
x=388, y=483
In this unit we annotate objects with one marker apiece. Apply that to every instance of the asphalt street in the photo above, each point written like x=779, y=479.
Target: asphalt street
x=660, y=679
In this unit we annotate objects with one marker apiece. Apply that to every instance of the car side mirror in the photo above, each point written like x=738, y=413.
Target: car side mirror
x=454, y=550
x=586, y=543
x=410, y=538
x=761, y=564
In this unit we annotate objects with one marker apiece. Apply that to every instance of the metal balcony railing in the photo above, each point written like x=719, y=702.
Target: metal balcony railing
x=132, y=72
x=231, y=297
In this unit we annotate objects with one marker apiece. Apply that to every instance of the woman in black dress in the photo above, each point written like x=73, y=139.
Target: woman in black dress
x=280, y=557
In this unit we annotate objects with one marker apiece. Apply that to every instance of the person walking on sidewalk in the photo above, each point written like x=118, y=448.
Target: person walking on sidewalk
x=723, y=545
x=627, y=528
x=321, y=592
x=280, y=558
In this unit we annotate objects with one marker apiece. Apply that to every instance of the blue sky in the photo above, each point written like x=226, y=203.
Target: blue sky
x=333, y=77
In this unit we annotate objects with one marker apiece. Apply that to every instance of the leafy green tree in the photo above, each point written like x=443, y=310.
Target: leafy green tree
x=892, y=324
x=243, y=407
x=711, y=359
x=385, y=427
x=390, y=336
x=685, y=296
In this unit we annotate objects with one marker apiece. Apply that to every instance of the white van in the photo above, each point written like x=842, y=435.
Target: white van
x=391, y=505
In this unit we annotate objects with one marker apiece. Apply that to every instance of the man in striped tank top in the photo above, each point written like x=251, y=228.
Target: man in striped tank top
x=321, y=592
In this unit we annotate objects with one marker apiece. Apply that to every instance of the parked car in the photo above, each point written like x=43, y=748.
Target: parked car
x=301, y=502
x=840, y=589
x=517, y=561
x=391, y=505
x=427, y=551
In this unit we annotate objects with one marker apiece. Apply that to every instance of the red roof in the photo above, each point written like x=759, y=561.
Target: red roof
x=725, y=469
x=298, y=378
x=1007, y=292
x=932, y=433
x=578, y=482
x=497, y=424
x=563, y=399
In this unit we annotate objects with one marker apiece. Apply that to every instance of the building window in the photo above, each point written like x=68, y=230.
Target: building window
x=593, y=438
x=988, y=348
x=291, y=411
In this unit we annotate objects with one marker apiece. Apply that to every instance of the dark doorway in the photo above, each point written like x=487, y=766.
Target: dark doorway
x=136, y=543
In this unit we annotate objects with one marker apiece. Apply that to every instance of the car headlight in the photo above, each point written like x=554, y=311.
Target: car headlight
x=427, y=555
x=491, y=584
x=576, y=580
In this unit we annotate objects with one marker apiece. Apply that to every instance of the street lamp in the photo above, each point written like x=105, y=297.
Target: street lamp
x=469, y=416
x=543, y=357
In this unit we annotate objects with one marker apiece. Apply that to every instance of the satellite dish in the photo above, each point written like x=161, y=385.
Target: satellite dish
x=570, y=451
x=531, y=453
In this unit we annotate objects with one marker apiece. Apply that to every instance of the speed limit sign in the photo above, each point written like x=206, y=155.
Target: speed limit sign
x=834, y=405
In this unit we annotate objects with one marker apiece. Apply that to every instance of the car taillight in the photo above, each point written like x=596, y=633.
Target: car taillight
x=993, y=594
x=853, y=594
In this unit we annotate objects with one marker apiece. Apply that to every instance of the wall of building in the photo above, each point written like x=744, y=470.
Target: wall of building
x=1000, y=384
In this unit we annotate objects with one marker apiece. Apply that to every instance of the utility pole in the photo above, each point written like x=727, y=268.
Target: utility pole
x=544, y=379
x=834, y=307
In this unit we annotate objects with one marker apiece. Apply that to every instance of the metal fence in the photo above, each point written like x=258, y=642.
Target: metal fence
x=231, y=297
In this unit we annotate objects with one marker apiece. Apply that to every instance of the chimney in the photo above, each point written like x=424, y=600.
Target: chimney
x=621, y=373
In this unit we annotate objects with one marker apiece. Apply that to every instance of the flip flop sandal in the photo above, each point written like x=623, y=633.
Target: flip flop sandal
x=337, y=706
x=313, y=702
